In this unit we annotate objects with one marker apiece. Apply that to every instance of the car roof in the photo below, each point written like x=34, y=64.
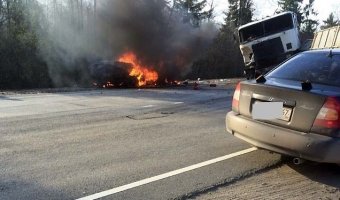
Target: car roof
x=334, y=50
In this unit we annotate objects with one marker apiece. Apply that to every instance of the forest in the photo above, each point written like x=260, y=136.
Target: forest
x=52, y=43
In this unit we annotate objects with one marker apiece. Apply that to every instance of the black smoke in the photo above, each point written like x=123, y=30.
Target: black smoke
x=152, y=29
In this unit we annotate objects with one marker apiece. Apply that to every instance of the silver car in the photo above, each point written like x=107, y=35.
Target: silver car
x=294, y=109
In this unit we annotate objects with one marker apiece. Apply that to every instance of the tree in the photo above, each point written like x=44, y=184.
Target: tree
x=330, y=22
x=222, y=60
x=20, y=64
x=2, y=16
x=193, y=11
x=293, y=6
x=240, y=12
x=309, y=25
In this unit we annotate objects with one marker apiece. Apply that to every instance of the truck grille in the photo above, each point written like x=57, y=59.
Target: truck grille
x=270, y=52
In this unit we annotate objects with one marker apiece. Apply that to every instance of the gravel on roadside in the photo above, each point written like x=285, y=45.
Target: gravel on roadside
x=307, y=181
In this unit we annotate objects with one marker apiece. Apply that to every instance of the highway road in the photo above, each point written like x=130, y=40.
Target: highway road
x=121, y=144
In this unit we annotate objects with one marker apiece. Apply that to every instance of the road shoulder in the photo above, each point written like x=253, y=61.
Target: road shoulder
x=307, y=181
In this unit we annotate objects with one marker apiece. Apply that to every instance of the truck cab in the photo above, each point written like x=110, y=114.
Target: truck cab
x=268, y=42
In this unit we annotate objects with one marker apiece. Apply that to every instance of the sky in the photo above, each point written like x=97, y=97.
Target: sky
x=267, y=8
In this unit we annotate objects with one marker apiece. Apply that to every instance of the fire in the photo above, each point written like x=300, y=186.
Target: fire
x=143, y=74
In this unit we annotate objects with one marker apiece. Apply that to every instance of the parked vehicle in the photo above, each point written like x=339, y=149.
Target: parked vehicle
x=307, y=90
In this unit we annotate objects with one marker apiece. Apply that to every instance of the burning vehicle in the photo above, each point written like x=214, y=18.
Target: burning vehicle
x=108, y=74
x=144, y=74
x=128, y=71
x=125, y=72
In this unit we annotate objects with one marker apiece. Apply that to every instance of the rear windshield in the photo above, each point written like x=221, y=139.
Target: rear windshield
x=267, y=27
x=317, y=67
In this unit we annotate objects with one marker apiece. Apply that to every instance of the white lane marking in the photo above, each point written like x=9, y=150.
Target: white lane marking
x=148, y=106
x=166, y=175
x=176, y=103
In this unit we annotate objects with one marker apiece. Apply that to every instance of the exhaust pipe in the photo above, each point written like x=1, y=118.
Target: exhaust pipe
x=298, y=161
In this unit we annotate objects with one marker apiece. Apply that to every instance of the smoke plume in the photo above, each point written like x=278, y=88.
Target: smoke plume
x=152, y=29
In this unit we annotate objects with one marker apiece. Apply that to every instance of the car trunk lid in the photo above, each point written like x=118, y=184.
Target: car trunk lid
x=300, y=107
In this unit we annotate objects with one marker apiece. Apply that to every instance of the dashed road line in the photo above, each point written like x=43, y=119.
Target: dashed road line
x=148, y=106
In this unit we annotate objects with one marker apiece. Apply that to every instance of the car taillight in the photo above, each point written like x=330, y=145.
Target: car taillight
x=328, y=119
x=236, y=98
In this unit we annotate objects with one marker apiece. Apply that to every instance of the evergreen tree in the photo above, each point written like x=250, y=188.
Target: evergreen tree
x=330, y=22
x=193, y=11
x=240, y=12
x=293, y=6
x=20, y=64
x=309, y=25
x=222, y=60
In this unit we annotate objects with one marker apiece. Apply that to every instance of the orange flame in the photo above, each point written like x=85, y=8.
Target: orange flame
x=143, y=74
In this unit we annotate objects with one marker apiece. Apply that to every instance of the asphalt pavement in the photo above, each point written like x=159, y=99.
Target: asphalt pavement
x=75, y=144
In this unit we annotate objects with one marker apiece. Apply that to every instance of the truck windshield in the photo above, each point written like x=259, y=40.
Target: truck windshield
x=267, y=27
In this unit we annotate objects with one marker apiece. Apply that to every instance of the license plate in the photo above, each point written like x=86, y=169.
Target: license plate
x=271, y=111
x=286, y=114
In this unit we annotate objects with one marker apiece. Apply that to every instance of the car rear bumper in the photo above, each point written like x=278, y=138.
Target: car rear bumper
x=285, y=141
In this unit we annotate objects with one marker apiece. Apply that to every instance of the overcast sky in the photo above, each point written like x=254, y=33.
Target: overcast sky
x=267, y=7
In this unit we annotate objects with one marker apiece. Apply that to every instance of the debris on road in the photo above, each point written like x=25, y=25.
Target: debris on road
x=195, y=86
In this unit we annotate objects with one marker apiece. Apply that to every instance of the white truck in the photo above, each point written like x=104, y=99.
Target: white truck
x=268, y=42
